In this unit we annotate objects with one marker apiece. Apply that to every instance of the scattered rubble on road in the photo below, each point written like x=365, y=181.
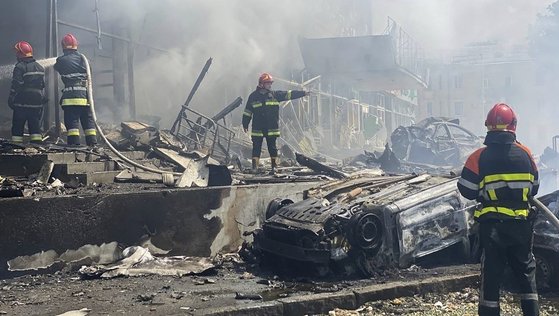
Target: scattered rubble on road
x=463, y=303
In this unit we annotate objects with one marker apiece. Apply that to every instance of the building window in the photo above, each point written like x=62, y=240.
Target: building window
x=430, y=108
x=458, y=81
x=508, y=81
x=458, y=108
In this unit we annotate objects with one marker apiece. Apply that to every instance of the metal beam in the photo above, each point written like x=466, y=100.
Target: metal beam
x=113, y=36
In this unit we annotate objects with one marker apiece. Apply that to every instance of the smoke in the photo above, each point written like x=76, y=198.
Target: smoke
x=244, y=38
x=448, y=25
x=247, y=37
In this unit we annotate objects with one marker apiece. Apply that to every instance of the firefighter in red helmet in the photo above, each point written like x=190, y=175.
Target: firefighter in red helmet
x=262, y=108
x=74, y=100
x=27, y=95
x=503, y=176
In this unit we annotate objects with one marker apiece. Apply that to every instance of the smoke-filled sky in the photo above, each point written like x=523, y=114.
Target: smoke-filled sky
x=247, y=37
x=451, y=24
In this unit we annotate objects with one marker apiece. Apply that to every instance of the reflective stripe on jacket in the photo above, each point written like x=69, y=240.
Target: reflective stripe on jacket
x=501, y=176
x=262, y=108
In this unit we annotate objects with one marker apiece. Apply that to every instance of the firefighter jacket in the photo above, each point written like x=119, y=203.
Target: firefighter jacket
x=71, y=68
x=501, y=176
x=262, y=108
x=28, y=84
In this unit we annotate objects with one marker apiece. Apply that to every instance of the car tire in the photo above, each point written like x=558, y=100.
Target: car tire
x=275, y=205
x=547, y=274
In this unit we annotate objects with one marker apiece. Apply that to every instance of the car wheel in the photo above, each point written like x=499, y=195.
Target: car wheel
x=546, y=269
x=365, y=232
x=275, y=205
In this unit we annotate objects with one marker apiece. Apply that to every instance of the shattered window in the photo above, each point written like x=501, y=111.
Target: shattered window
x=459, y=133
x=441, y=133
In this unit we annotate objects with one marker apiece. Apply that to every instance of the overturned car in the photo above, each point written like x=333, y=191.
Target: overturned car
x=366, y=223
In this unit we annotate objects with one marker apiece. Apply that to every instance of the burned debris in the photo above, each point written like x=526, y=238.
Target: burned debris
x=435, y=141
x=365, y=224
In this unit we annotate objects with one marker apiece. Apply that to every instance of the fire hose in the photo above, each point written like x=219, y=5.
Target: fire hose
x=546, y=211
x=111, y=147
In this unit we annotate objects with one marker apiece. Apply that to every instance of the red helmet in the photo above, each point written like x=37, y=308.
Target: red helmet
x=69, y=41
x=265, y=78
x=23, y=49
x=501, y=118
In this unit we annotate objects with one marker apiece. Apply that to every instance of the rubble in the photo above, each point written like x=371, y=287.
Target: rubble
x=459, y=303
x=318, y=167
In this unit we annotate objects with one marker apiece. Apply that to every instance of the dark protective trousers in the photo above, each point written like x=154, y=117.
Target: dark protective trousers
x=257, y=146
x=73, y=115
x=31, y=115
x=507, y=241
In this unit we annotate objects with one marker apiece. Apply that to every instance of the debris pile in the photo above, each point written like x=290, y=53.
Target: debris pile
x=430, y=304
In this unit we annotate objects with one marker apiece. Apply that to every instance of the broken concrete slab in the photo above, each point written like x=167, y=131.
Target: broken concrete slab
x=165, y=139
x=138, y=177
x=174, y=156
x=118, y=140
x=135, y=127
x=86, y=167
x=191, y=222
x=196, y=174
x=45, y=172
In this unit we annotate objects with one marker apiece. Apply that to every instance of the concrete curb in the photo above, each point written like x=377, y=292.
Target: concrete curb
x=324, y=302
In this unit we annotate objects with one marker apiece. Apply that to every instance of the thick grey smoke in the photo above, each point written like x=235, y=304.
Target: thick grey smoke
x=247, y=37
x=448, y=25
x=244, y=37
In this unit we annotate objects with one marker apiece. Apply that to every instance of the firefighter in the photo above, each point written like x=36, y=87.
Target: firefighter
x=27, y=94
x=74, y=100
x=503, y=176
x=262, y=108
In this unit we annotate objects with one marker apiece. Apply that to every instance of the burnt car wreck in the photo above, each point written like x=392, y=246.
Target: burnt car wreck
x=435, y=141
x=367, y=223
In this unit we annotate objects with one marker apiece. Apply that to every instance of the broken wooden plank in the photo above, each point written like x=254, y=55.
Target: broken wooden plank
x=136, y=127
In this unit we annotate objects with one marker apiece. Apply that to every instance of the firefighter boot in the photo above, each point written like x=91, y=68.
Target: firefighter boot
x=274, y=161
x=255, y=161
x=530, y=307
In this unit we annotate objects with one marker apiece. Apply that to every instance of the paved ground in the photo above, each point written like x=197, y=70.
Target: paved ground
x=155, y=295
